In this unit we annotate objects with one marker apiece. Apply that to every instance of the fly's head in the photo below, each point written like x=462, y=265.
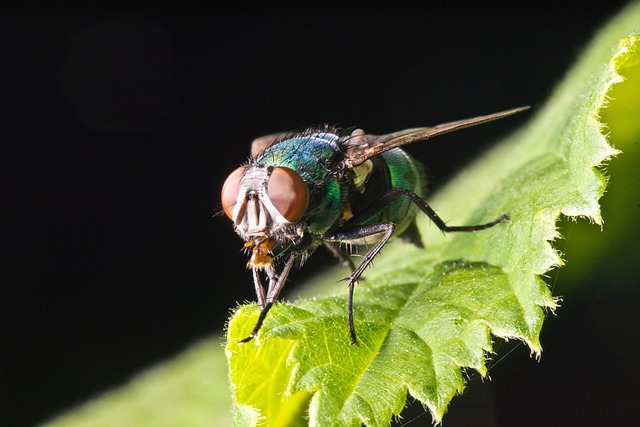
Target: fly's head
x=266, y=205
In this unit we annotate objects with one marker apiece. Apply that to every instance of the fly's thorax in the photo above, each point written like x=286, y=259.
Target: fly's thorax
x=265, y=203
x=314, y=155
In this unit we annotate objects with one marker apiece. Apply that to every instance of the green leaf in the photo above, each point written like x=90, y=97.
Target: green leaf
x=423, y=315
x=182, y=392
x=414, y=337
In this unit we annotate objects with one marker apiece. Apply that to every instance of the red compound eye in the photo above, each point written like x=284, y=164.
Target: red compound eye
x=230, y=189
x=288, y=193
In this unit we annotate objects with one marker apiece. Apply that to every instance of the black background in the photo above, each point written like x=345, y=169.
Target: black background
x=119, y=126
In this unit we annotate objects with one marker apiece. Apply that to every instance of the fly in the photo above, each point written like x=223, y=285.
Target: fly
x=320, y=187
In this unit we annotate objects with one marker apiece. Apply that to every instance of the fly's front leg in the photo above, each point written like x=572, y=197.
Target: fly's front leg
x=259, y=288
x=362, y=235
x=276, y=282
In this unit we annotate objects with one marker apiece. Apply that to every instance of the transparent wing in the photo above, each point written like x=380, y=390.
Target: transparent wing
x=359, y=146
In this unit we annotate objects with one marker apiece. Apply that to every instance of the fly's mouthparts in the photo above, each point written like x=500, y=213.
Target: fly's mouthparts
x=261, y=253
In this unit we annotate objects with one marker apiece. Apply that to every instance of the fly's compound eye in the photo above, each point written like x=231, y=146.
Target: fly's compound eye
x=230, y=191
x=288, y=193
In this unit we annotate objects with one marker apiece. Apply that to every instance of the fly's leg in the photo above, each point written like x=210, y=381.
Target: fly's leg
x=385, y=200
x=276, y=282
x=259, y=288
x=360, y=235
x=433, y=216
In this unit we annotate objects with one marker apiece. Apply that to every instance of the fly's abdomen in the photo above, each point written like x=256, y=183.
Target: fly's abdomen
x=389, y=170
x=405, y=172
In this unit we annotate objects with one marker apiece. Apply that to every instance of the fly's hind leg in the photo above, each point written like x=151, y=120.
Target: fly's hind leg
x=433, y=216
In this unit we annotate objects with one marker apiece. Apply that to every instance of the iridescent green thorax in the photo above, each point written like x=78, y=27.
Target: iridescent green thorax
x=314, y=158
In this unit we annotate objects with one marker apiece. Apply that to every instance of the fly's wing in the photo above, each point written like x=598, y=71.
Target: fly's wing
x=359, y=146
x=262, y=143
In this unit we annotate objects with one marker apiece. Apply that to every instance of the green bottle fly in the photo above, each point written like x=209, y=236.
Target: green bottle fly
x=322, y=187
